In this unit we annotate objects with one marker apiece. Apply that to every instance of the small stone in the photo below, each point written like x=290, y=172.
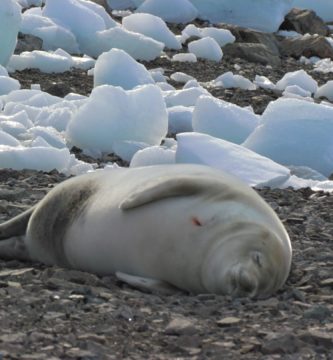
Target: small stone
x=228, y=321
x=282, y=344
x=180, y=327
x=319, y=338
x=15, y=272
x=317, y=312
x=327, y=282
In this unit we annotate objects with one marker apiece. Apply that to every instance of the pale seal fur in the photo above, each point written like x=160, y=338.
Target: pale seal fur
x=189, y=226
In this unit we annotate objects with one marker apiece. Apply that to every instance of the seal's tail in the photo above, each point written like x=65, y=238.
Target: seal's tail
x=16, y=226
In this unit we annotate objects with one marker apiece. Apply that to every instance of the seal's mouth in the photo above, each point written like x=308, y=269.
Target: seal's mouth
x=242, y=281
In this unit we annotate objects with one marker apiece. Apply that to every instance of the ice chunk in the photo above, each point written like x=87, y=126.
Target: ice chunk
x=223, y=120
x=229, y=80
x=300, y=78
x=326, y=91
x=10, y=20
x=246, y=165
x=154, y=155
x=139, y=46
x=186, y=97
x=180, y=119
x=184, y=57
x=111, y=115
x=117, y=68
x=151, y=26
x=262, y=15
x=296, y=132
x=8, y=84
x=42, y=60
x=221, y=36
x=173, y=11
x=206, y=48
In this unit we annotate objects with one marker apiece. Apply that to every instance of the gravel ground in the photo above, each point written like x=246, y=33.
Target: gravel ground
x=54, y=313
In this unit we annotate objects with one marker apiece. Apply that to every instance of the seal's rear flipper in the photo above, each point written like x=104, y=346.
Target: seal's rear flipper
x=148, y=285
x=16, y=226
x=14, y=249
x=166, y=187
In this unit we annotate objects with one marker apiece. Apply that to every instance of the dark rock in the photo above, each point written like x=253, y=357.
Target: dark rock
x=253, y=52
x=282, y=344
x=308, y=46
x=26, y=42
x=179, y=326
x=318, y=312
x=244, y=35
x=318, y=338
x=304, y=22
x=58, y=89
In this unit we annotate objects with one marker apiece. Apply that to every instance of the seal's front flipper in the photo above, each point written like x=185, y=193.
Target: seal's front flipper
x=148, y=285
x=16, y=226
x=14, y=249
x=166, y=187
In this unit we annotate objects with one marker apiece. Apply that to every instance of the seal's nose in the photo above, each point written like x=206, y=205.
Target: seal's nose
x=243, y=281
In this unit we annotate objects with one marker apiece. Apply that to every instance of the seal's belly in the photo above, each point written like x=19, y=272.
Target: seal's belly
x=164, y=240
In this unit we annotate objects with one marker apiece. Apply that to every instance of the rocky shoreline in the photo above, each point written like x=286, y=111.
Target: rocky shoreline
x=54, y=313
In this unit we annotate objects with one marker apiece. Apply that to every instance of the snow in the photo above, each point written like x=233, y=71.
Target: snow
x=296, y=132
x=228, y=80
x=206, y=48
x=117, y=68
x=10, y=19
x=255, y=170
x=223, y=120
x=112, y=115
x=300, y=78
x=173, y=11
x=262, y=15
x=152, y=26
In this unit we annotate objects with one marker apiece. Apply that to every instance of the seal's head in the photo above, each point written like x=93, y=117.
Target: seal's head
x=250, y=261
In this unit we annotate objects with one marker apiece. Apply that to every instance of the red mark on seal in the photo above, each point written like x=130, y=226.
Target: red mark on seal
x=196, y=221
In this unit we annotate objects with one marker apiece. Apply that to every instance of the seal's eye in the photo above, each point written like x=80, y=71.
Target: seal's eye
x=257, y=258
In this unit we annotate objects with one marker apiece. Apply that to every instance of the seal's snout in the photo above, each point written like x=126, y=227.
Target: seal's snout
x=243, y=281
